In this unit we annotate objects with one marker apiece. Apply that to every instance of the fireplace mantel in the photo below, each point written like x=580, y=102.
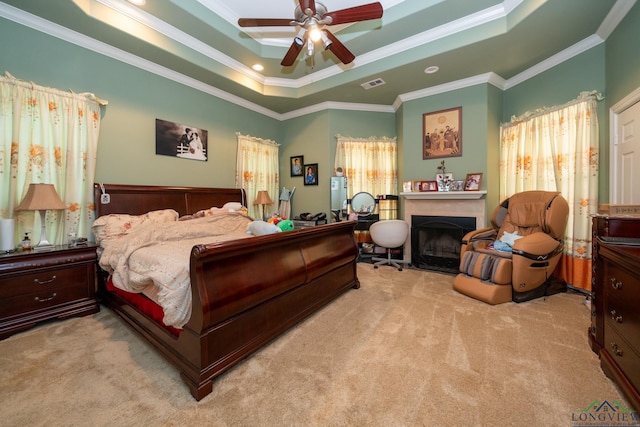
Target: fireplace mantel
x=444, y=195
x=444, y=203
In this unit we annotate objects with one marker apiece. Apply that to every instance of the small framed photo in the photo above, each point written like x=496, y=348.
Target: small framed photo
x=416, y=185
x=311, y=174
x=458, y=185
x=407, y=186
x=430, y=185
x=297, y=163
x=472, y=183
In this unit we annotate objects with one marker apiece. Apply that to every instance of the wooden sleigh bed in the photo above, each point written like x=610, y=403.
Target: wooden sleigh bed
x=245, y=292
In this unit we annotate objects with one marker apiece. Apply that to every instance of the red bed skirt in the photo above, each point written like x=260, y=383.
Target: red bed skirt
x=145, y=305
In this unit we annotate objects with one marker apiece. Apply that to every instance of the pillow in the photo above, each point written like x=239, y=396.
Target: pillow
x=114, y=226
x=232, y=206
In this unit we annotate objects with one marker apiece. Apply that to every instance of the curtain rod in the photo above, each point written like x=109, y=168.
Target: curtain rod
x=8, y=78
x=259, y=140
x=584, y=96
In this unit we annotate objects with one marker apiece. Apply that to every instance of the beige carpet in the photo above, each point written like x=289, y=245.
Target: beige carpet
x=403, y=350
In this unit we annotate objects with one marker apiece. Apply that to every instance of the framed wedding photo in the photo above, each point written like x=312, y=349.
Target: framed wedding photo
x=311, y=174
x=472, y=183
x=442, y=134
x=297, y=163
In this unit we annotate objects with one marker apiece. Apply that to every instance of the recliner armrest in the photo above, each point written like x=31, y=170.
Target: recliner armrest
x=537, y=246
x=487, y=233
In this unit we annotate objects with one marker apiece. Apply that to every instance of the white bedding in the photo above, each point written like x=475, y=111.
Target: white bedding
x=159, y=254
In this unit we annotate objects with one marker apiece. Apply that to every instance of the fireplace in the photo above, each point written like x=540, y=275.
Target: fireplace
x=436, y=240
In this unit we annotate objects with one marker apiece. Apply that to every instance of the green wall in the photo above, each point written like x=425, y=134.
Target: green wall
x=314, y=137
x=623, y=58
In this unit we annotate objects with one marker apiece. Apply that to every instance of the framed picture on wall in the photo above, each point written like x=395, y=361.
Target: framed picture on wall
x=178, y=140
x=297, y=163
x=442, y=134
x=311, y=174
x=472, y=183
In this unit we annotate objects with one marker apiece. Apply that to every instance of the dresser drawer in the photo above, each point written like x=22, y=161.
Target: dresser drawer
x=624, y=356
x=622, y=302
x=43, y=280
x=42, y=299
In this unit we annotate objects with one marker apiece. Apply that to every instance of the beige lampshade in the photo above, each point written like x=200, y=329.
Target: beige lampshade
x=263, y=198
x=41, y=197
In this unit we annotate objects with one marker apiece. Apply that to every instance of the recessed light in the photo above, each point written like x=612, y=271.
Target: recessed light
x=257, y=67
x=138, y=2
x=432, y=69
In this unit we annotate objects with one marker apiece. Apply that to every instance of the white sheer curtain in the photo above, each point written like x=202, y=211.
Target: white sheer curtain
x=48, y=136
x=257, y=168
x=370, y=164
x=556, y=149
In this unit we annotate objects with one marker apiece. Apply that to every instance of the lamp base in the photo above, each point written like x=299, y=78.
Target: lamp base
x=44, y=244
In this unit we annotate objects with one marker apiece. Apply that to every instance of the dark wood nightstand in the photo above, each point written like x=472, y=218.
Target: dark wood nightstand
x=42, y=285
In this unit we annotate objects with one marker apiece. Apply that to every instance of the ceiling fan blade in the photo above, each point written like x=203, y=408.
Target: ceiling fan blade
x=263, y=22
x=355, y=14
x=339, y=49
x=292, y=53
x=308, y=4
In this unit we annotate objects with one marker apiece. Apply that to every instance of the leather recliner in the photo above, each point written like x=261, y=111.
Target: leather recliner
x=513, y=260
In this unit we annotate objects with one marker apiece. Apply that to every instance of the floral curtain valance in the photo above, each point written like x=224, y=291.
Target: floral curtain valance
x=48, y=136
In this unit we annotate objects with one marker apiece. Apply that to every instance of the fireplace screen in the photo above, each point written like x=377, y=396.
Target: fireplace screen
x=436, y=240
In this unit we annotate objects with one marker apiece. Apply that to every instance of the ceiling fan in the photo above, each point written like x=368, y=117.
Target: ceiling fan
x=312, y=17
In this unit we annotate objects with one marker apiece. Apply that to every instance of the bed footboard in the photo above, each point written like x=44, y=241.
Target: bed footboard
x=247, y=292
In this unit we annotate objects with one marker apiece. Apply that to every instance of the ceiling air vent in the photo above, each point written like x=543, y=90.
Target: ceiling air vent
x=373, y=83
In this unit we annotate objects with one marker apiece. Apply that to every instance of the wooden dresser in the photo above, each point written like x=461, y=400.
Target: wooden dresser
x=615, y=318
x=38, y=286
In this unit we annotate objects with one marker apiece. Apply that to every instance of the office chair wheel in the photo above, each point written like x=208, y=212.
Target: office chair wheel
x=375, y=266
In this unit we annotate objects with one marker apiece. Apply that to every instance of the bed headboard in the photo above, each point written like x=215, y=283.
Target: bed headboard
x=139, y=199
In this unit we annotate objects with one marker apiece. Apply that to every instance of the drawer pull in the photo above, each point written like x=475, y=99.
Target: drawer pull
x=616, y=350
x=616, y=317
x=38, y=299
x=44, y=282
x=616, y=284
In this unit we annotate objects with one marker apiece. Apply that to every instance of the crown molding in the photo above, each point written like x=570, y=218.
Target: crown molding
x=613, y=18
x=558, y=58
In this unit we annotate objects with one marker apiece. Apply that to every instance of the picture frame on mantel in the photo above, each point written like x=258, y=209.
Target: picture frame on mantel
x=472, y=183
x=442, y=134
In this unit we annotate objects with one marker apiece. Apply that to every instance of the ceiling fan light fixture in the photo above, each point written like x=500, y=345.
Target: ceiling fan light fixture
x=299, y=39
x=310, y=47
x=325, y=40
x=314, y=33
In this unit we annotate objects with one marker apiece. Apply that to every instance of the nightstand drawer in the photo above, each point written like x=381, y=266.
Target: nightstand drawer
x=42, y=299
x=43, y=281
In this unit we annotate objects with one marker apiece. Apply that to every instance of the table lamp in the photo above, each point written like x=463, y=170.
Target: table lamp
x=41, y=197
x=263, y=199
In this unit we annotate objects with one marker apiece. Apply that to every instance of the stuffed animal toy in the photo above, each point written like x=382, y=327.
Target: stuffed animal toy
x=260, y=228
x=285, y=225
